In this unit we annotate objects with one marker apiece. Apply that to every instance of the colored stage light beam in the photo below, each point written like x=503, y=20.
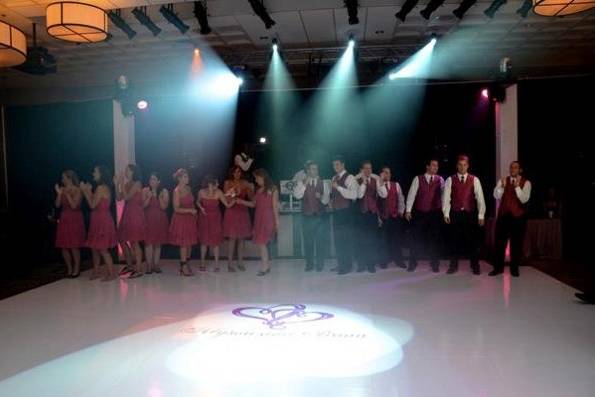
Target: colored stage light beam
x=196, y=66
x=417, y=66
x=277, y=104
x=334, y=114
x=393, y=110
x=212, y=91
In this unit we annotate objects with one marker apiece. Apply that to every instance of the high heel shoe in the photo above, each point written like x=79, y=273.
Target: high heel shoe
x=183, y=272
x=242, y=268
x=231, y=269
x=125, y=270
x=263, y=272
x=135, y=274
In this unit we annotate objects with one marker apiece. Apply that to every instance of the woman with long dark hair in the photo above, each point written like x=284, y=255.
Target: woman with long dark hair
x=102, y=231
x=155, y=201
x=182, y=229
x=70, y=234
x=236, y=221
x=210, y=233
x=266, y=216
x=131, y=230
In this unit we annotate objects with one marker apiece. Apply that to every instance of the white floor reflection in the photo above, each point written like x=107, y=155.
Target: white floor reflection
x=297, y=334
x=220, y=353
x=318, y=341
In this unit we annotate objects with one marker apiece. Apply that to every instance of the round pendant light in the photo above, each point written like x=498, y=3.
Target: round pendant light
x=558, y=8
x=76, y=22
x=13, y=45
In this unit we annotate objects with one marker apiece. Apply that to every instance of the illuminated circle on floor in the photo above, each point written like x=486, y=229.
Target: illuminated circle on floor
x=261, y=343
x=224, y=354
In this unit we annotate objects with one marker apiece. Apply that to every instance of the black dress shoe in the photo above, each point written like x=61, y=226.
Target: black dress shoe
x=585, y=297
x=319, y=268
x=309, y=268
x=412, y=267
x=452, y=269
x=401, y=264
x=435, y=269
x=360, y=269
x=495, y=272
x=334, y=269
x=372, y=268
x=514, y=272
x=343, y=272
x=383, y=265
x=476, y=271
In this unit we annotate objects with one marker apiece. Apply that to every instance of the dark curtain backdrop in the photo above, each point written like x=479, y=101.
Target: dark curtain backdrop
x=179, y=132
x=41, y=142
x=448, y=120
x=555, y=144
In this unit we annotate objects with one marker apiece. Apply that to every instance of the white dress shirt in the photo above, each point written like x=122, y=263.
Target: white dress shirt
x=361, y=189
x=523, y=193
x=412, y=194
x=300, y=189
x=243, y=164
x=299, y=176
x=383, y=193
x=481, y=205
x=349, y=192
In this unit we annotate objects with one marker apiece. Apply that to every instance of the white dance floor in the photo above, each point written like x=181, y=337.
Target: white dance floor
x=298, y=334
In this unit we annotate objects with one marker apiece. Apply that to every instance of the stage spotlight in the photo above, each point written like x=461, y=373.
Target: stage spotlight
x=406, y=9
x=142, y=17
x=117, y=20
x=351, y=43
x=260, y=10
x=173, y=18
x=416, y=66
x=262, y=140
x=200, y=12
x=491, y=10
x=430, y=8
x=525, y=8
x=352, y=6
x=142, y=104
x=275, y=45
x=240, y=72
x=485, y=93
x=463, y=8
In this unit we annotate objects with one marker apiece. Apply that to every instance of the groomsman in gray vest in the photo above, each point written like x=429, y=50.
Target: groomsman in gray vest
x=343, y=194
x=315, y=195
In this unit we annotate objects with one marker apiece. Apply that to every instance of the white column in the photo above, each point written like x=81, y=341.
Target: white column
x=507, y=138
x=506, y=132
x=123, y=146
x=123, y=138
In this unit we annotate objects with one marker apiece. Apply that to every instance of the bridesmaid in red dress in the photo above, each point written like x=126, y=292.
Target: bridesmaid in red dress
x=102, y=231
x=236, y=221
x=210, y=233
x=156, y=201
x=70, y=235
x=266, y=216
x=131, y=229
x=182, y=230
